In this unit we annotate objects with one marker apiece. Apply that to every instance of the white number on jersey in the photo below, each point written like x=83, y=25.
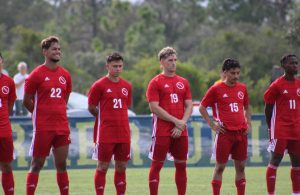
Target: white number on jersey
x=55, y=93
x=0, y=103
x=292, y=104
x=117, y=103
x=174, y=98
x=234, y=107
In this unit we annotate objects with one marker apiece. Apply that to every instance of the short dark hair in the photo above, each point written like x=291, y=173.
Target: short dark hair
x=285, y=58
x=115, y=56
x=46, y=43
x=166, y=52
x=230, y=63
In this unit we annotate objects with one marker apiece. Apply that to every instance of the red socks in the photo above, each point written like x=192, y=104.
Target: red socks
x=8, y=183
x=120, y=182
x=181, y=178
x=271, y=178
x=63, y=182
x=99, y=181
x=154, y=177
x=216, y=186
x=295, y=176
x=31, y=183
x=240, y=186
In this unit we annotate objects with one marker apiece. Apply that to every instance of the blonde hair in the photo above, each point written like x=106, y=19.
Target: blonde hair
x=166, y=52
x=22, y=64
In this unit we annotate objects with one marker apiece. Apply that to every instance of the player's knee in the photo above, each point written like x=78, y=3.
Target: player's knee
x=6, y=167
x=120, y=167
x=219, y=169
x=61, y=166
x=36, y=166
x=103, y=166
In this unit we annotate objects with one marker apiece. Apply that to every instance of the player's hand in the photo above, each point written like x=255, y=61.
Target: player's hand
x=180, y=124
x=217, y=128
x=249, y=129
x=176, y=133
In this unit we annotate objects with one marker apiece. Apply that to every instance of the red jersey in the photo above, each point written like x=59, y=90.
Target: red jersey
x=285, y=95
x=7, y=95
x=112, y=100
x=171, y=93
x=50, y=89
x=228, y=103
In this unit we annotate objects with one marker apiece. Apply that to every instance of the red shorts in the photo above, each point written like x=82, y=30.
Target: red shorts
x=44, y=140
x=230, y=143
x=105, y=151
x=6, y=149
x=279, y=146
x=163, y=145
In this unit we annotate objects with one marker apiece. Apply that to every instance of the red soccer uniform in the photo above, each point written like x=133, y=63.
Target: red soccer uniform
x=113, y=100
x=285, y=95
x=50, y=89
x=171, y=93
x=228, y=103
x=7, y=94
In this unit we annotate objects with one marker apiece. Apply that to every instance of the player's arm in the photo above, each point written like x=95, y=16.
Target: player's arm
x=248, y=113
x=28, y=102
x=215, y=127
x=67, y=97
x=164, y=115
x=93, y=110
x=188, y=108
x=10, y=107
x=268, y=113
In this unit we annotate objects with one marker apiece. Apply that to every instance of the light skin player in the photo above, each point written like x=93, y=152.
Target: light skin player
x=109, y=100
x=231, y=123
x=7, y=99
x=170, y=101
x=282, y=110
x=47, y=91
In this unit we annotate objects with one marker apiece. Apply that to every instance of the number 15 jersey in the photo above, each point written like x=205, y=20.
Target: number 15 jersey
x=112, y=100
x=50, y=89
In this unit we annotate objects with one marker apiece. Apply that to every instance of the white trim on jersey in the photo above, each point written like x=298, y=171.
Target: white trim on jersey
x=154, y=121
x=33, y=124
x=273, y=122
x=98, y=126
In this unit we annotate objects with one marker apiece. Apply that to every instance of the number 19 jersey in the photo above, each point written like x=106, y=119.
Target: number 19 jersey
x=171, y=93
x=285, y=95
x=50, y=89
x=112, y=100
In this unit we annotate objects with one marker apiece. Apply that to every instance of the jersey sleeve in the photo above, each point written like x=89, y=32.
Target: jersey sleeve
x=69, y=84
x=188, y=94
x=208, y=99
x=12, y=95
x=31, y=83
x=270, y=95
x=94, y=95
x=129, y=96
x=246, y=99
x=152, y=92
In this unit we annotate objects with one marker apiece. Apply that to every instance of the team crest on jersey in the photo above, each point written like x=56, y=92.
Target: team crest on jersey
x=62, y=80
x=179, y=85
x=298, y=92
x=5, y=89
x=240, y=95
x=125, y=91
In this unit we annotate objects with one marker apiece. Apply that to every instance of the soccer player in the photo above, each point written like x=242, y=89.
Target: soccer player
x=282, y=110
x=7, y=99
x=170, y=101
x=47, y=91
x=109, y=99
x=231, y=123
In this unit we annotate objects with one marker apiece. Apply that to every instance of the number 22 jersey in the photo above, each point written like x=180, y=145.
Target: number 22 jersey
x=112, y=100
x=50, y=89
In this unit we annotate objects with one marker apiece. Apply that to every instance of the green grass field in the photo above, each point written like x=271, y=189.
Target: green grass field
x=81, y=182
